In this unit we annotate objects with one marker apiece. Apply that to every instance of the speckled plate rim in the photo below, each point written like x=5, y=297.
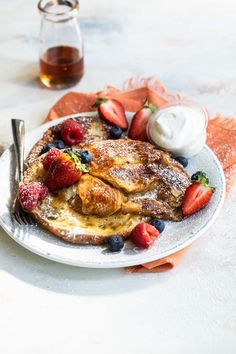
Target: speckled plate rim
x=35, y=134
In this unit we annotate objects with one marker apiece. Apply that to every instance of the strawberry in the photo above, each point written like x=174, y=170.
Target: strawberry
x=112, y=111
x=52, y=154
x=29, y=194
x=144, y=235
x=139, y=122
x=71, y=132
x=64, y=171
x=197, y=195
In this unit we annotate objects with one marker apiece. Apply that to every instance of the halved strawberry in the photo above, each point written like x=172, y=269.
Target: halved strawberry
x=144, y=235
x=139, y=122
x=52, y=154
x=112, y=111
x=64, y=171
x=197, y=195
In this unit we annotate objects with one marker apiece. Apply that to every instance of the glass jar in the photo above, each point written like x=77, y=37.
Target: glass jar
x=61, y=48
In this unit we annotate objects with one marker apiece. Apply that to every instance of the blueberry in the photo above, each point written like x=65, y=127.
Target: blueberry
x=200, y=177
x=59, y=144
x=158, y=224
x=46, y=148
x=182, y=160
x=115, y=133
x=115, y=243
x=196, y=176
x=85, y=156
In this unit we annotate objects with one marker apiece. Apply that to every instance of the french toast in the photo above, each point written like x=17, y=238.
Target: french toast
x=94, y=128
x=127, y=182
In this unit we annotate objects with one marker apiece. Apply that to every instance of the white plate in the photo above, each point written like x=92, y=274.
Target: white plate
x=176, y=235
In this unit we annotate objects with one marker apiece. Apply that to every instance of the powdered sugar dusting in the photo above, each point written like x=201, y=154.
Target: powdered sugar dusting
x=175, y=236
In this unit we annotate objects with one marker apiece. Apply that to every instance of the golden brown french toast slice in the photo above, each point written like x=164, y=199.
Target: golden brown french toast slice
x=138, y=167
x=94, y=197
x=127, y=182
x=58, y=215
x=94, y=129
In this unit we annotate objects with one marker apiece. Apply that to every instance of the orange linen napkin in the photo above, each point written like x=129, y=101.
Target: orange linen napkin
x=221, y=135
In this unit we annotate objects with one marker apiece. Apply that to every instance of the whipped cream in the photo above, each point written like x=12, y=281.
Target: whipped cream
x=179, y=129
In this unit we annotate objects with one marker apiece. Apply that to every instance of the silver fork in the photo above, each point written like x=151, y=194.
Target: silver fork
x=18, y=132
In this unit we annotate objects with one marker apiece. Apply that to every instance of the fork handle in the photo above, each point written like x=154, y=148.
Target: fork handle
x=18, y=132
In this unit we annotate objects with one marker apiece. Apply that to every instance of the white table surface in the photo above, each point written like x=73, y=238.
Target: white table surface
x=47, y=307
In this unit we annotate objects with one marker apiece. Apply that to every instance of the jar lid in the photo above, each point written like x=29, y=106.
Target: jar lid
x=58, y=10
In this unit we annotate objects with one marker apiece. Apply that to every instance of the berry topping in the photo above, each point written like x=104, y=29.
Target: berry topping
x=199, y=176
x=29, y=194
x=64, y=171
x=71, y=132
x=112, y=111
x=50, y=157
x=139, y=122
x=182, y=160
x=46, y=148
x=115, y=133
x=144, y=235
x=197, y=195
x=158, y=224
x=115, y=243
x=85, y=156
x=59, y=144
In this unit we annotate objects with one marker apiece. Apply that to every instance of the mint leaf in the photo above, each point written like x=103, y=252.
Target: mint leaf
x=75, y=158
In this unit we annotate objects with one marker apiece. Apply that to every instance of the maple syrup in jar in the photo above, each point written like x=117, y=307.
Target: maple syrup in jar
x=61, y=66
x=61, y=63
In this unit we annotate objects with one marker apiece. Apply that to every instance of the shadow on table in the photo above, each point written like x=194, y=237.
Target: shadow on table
x=56, y=277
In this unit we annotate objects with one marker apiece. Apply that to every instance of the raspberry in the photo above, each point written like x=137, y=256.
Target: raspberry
x=144, y=235
x=72, y=133
x=50, y=157
x=43, y=191
x=30, y=194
